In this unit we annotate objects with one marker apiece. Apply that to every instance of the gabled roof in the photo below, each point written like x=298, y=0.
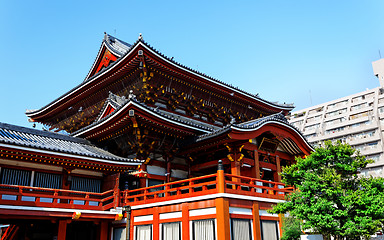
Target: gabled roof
x=128, y=54
x=288, y=144
x=113, y=101
x=162, y=115
x=114, y=45
x=11, y=135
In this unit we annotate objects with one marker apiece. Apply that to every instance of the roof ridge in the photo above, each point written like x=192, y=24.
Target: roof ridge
x=212, y=78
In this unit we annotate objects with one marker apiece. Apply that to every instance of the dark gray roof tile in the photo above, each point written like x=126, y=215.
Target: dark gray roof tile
x=37, y=139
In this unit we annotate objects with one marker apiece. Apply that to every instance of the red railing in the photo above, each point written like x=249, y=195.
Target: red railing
x=210, y=184
x=194, y=187
x=255, y=187
x=46, y=197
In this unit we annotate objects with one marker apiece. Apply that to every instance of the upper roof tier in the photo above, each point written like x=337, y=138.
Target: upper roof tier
x=117, y=60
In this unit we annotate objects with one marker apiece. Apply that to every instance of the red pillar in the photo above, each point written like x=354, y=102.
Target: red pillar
x=256, y=221
x=62, y=232
x=222, y=215
x=104, y=230
x=185, y=221
x=156, y=227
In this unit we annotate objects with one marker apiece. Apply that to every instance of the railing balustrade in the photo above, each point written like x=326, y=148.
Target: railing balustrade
x=193, y=187
x=46, y=197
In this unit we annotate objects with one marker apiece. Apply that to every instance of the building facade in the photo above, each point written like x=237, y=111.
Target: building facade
x=161, y=151
x=357, y=119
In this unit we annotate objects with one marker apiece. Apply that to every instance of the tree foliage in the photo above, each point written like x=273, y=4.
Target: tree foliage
x=329, y=195
x=291, y=228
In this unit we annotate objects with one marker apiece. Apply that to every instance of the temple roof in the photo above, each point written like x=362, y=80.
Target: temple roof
x=123, y=50
x=56, y=142
x=116, y=45
x=287, y=144
x=123, y=103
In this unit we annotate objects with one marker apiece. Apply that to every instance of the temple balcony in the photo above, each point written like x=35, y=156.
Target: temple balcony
x=217, y=183
x=15, y=195
x=206, y=185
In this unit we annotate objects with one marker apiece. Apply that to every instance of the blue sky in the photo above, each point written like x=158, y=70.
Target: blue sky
x=301, y=52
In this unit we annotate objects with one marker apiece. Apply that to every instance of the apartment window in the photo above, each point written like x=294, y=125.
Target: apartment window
x=372, y=145
x=374, y=157
x=369, y=95
x=337, y=112
x=241, y=229
x=297, y=115
x=310, y=135
x=143, y=232
x=119, y=233
x=363, y=135
x=356, y=125
x=171, y=231
x=312, y=127
x=338, y=104
x=381, y=109
x=203, y=229
x=16, y=177
x=269, y=230
x=335, y=121
x=358, y=106
x=312, y=119
x=335, y=130
x=297, y=123
x=359, y=98
x=359, y=115
x=316, y=110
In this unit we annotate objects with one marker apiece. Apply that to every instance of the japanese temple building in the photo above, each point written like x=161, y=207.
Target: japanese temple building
x=152, y=150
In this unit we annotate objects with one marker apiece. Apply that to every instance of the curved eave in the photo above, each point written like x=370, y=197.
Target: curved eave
x=238, y=133
x=285, y=130
x=81, y=88
x=123, y=112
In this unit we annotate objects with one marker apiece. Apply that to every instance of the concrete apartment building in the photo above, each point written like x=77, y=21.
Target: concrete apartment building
x=357, y=119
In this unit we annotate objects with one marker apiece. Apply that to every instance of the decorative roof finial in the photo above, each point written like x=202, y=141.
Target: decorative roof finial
x=131, y=95
x=141, y=36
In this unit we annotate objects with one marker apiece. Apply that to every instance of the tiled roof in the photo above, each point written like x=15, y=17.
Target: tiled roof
x=286, y=144
x=116, y=45
x=205, y=127
x=45, y=140
x=123, y=48
x=279, y=117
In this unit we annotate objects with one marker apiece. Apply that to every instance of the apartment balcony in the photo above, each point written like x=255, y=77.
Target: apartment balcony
x=369, y=150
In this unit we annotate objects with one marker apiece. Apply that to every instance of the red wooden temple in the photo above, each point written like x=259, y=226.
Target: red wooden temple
x=153, y=150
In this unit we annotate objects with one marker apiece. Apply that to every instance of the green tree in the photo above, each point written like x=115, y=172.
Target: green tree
x=330, y=197
x=291, y=228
